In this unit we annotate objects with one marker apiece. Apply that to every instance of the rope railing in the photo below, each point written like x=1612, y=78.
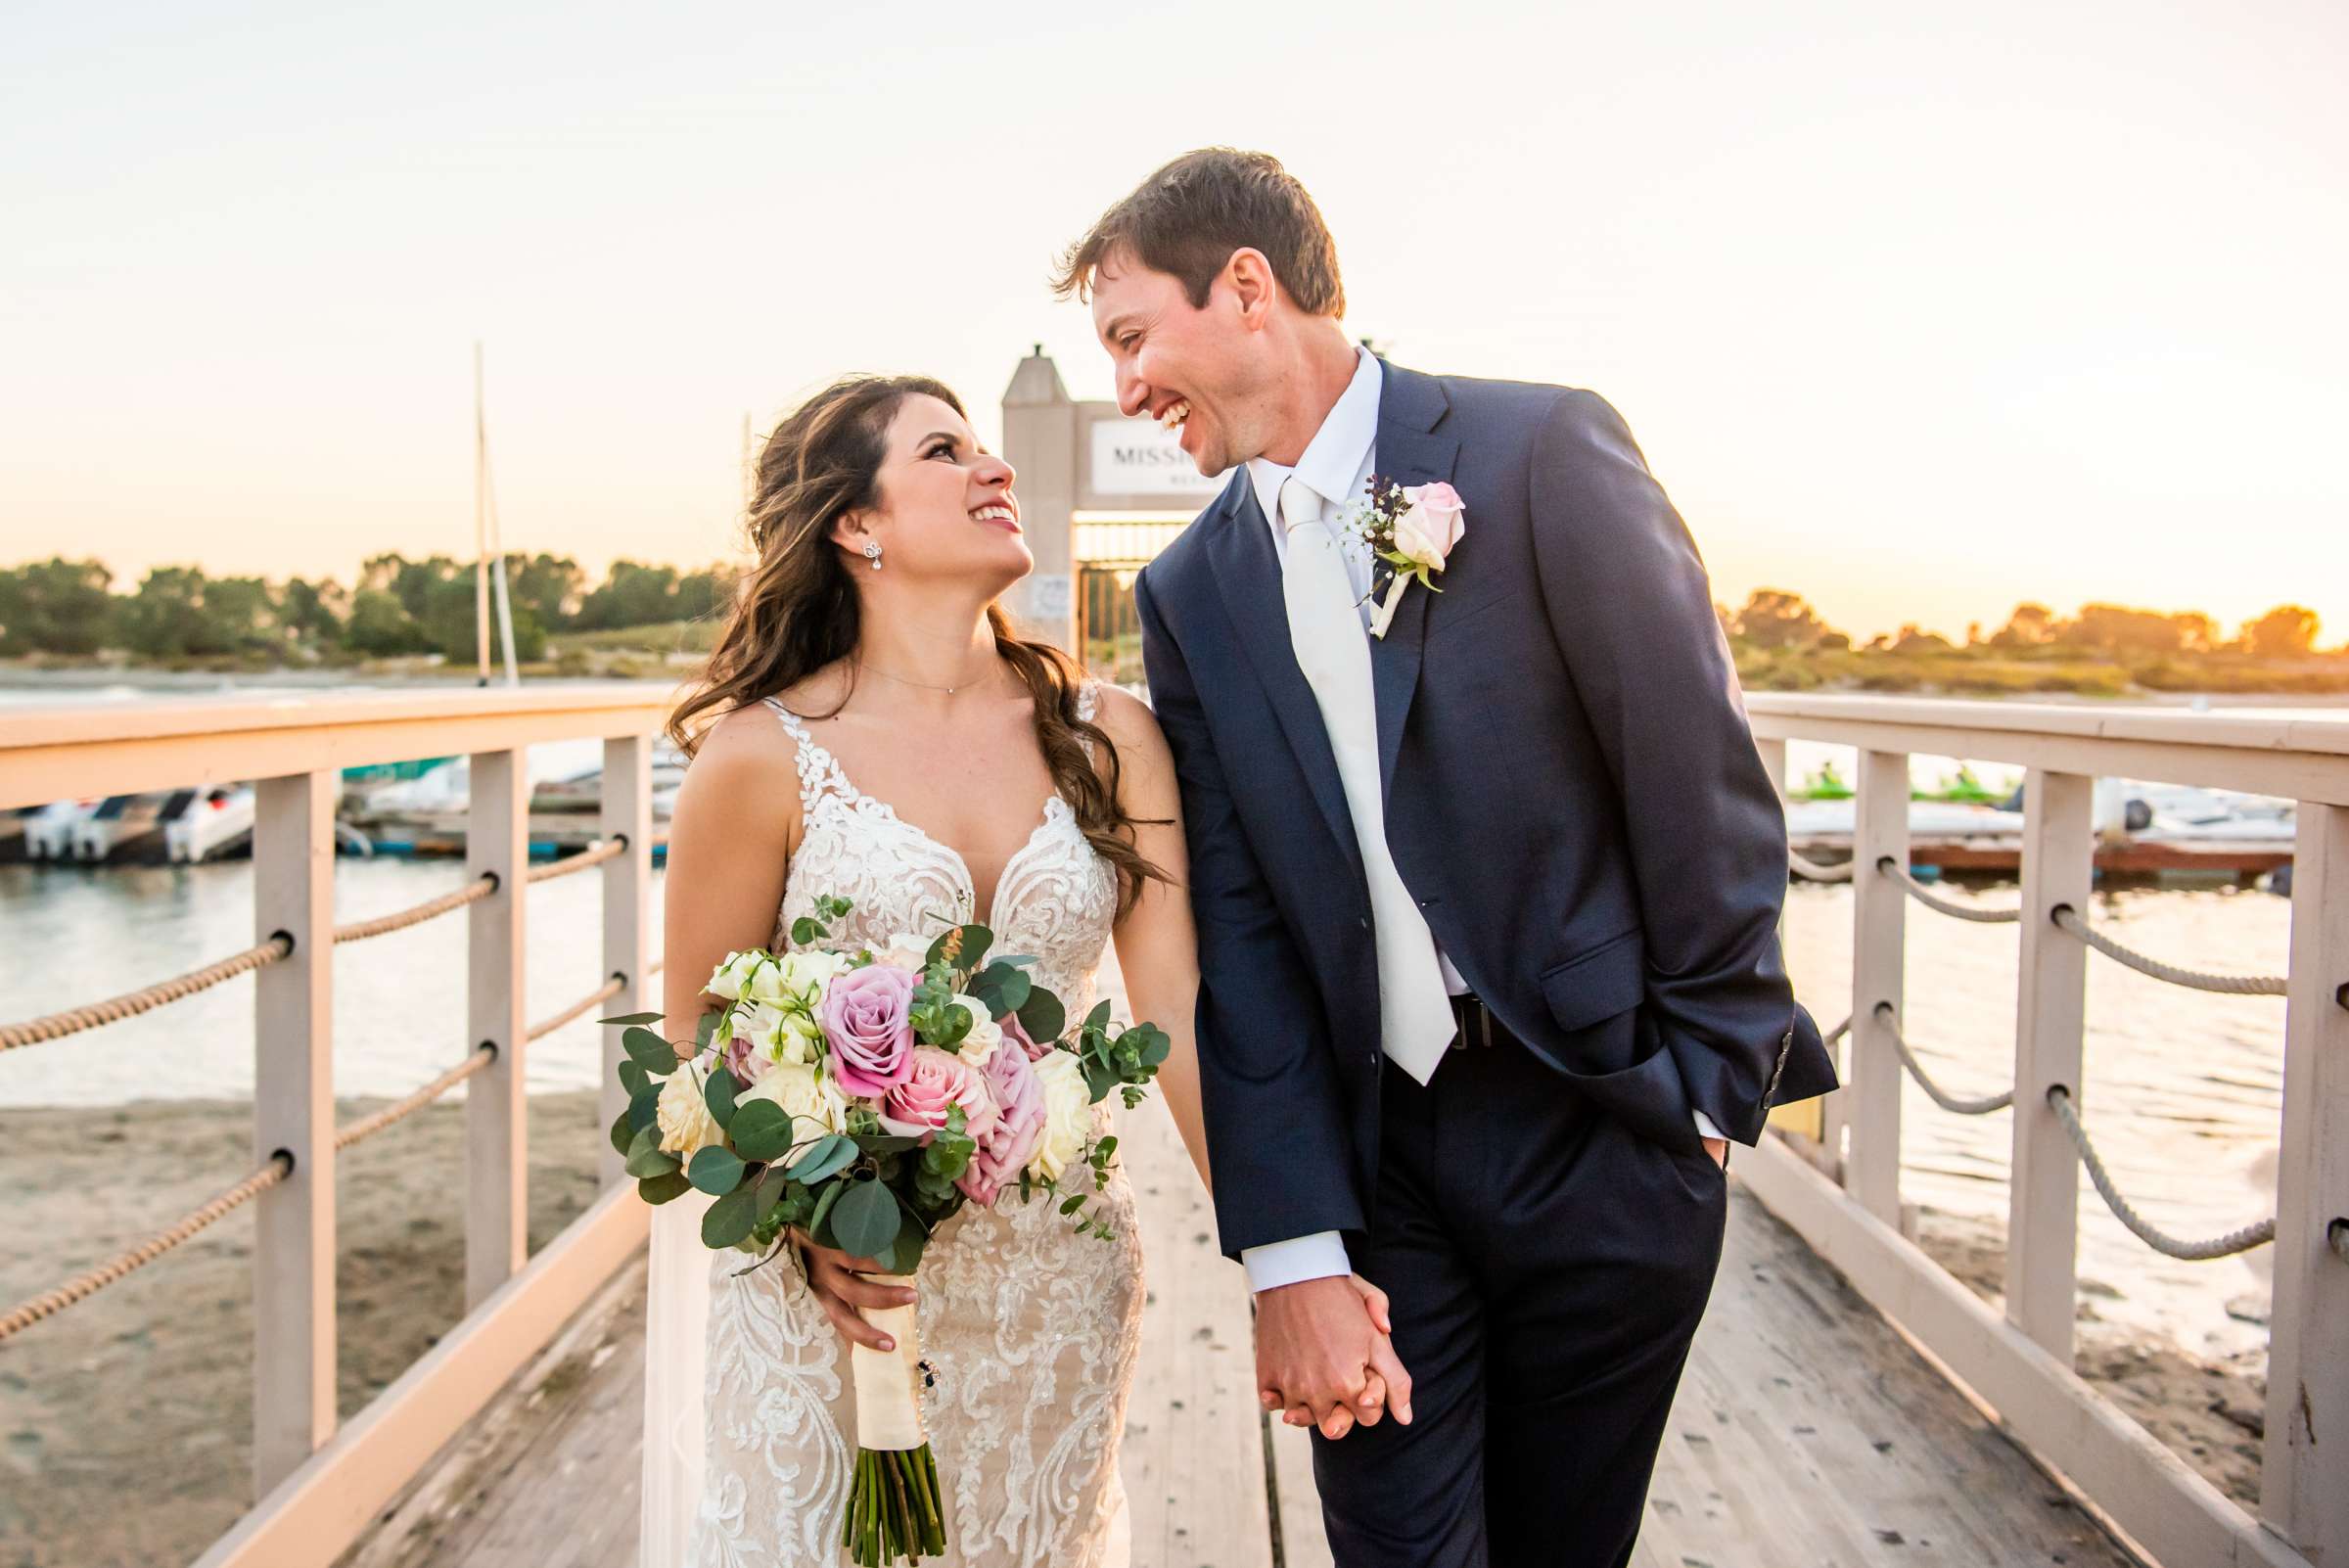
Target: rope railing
x=1939, y=905
x=131, y=1003
x=1958, y=1104
x=417, y=914
x=595, y=854
x=603, y=992
x=2059, y=1100
x=2069, y=919
x=1813, y=871
x=366, y=1126
x=89, y=1283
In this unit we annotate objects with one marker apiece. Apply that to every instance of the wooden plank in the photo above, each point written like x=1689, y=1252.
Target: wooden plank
x=2151, y=1494
x=2302, y=1491
x=496, y=1128
x=328, y=1503
x=294, y=1110
x=1303, y=1540
x=627, y=811
x=1871, y=1107
x=2043, y=1213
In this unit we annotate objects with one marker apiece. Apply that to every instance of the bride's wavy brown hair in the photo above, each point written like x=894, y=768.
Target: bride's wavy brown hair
x=796, y=610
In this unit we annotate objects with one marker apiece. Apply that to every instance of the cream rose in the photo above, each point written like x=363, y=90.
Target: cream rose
x=985, y=1036
x=732, y=978
x=907, y=949
x=801, y=1095
x=796, y=979
x=686, y=1125
x=1068, y=1114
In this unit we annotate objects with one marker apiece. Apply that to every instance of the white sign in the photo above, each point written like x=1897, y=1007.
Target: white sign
x=1136, y=457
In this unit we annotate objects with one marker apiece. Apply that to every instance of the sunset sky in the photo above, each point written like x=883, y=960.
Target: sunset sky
x=1917, y=317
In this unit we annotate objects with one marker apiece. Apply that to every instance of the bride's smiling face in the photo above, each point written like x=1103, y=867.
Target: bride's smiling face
x=945, y=507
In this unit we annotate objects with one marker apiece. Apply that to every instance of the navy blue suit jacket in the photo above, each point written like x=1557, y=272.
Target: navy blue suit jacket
x=1572, y=794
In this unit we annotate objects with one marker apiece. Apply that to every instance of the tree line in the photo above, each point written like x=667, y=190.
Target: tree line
x=394, y=607
x=1774, y=620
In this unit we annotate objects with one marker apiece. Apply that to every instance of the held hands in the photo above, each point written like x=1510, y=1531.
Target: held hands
x=1323, y=1356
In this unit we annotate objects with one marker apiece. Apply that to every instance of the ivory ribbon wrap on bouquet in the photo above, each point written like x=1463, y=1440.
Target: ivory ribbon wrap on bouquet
x=889, y=1406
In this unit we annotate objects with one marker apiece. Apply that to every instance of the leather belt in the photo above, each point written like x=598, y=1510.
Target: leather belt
x=1478, y=1027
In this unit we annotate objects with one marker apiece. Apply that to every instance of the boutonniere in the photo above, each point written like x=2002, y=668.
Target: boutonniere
x=1410, y=528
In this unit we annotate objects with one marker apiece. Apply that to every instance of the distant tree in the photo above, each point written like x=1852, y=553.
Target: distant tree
x=703, y=594
x=550, y=587
x=634, y=594
x=313, y=611
x=451, y=623
x=166, y=618
x=380, y=627
x=2286, y=631
x=2032, y=625
x=1913, y=639
x=1773, y=617
x=56, y=606
x=2120, y=629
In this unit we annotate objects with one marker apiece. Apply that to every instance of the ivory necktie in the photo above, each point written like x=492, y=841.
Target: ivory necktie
x=1414, y=1015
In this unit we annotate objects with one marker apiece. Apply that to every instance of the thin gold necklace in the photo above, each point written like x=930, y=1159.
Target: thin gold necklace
x=923, y=685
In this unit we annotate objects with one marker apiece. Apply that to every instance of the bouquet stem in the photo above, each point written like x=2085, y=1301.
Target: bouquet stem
x=895, y=1513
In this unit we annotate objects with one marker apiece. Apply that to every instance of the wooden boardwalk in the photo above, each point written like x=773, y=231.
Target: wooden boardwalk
x=1807, y=1434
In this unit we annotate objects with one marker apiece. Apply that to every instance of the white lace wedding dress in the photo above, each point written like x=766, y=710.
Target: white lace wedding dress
x=1032, y=1329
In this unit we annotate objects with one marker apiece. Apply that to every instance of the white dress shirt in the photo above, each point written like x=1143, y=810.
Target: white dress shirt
x=1337, y=464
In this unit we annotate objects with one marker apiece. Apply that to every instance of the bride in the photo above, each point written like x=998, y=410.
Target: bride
x=869, y=728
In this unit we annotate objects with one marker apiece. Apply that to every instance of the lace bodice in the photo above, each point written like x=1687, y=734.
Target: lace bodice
x=1056, y=899
x=1030, y=1329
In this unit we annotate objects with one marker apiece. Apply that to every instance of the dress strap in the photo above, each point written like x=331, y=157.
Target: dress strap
x=820, y=772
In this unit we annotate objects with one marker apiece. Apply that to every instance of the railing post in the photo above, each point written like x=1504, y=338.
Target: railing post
x=2302, y=1494
x=2043, y=1196
x=1879, y=931
x=294, y=1110
x=627, y=809
x=496, y=1126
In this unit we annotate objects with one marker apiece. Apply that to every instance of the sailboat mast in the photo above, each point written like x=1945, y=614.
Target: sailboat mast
x=481, y=523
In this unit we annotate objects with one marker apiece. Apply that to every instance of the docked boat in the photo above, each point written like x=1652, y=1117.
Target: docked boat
x=209, y=824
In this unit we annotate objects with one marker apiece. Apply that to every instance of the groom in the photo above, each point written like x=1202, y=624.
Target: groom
x=1487, y=874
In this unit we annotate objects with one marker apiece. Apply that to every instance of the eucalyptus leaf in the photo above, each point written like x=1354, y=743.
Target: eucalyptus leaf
x=645, y=1109
x=660, y=1189
x=718, y=1094
x=646, y=1157
x=1098, y=1018
x=883, y=1142
x=633, y=1078
x=729, y=1220
x=760, y=1131
x=826, y=1197
x=703, y=1029
x=976, y=939
x=716, y=1170
x=624, y=1132
x=866, y=1218
x=1042, y=1016
x=632, y=1018
x=650, y=1051
x=827, y=1158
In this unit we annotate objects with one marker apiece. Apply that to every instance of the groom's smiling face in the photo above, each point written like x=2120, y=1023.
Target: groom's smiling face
x=1197, y=370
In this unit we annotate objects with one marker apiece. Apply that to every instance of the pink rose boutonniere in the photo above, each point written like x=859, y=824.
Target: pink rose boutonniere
x=1413, y=529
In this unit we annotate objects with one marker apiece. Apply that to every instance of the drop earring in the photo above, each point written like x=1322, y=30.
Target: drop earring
x=872, y=553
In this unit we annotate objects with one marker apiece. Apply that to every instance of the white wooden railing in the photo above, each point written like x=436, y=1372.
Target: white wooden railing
x=1840, y=1188
x=318, y=1484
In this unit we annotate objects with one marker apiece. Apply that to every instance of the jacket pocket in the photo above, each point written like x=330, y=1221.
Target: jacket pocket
x=1597, y=982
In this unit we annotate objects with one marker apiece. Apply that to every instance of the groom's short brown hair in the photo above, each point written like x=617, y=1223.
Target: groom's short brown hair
x=1187, y=220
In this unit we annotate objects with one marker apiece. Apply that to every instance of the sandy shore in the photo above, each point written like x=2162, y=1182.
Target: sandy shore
x=2210, y=1413
x=125, y=1422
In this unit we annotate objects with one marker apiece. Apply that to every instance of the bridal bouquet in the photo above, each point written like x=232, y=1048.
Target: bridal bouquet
x=864, y=1097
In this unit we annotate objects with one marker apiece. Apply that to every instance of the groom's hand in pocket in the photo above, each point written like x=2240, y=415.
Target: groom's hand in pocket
x=1323, y=1356
x=836, y=1280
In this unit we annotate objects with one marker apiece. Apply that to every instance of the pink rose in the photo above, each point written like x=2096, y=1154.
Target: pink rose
x=935, y=1083
x=865, y=1014
x=746, y=1061
x=1019, y=1126
x=1428, y=531
x=1017, y=1032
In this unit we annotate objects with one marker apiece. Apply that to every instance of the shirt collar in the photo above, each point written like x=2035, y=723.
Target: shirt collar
x=1333, y=459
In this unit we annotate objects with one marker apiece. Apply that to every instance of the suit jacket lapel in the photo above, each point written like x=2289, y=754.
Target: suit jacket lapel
x=1248, y=573
x=1409, y=452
